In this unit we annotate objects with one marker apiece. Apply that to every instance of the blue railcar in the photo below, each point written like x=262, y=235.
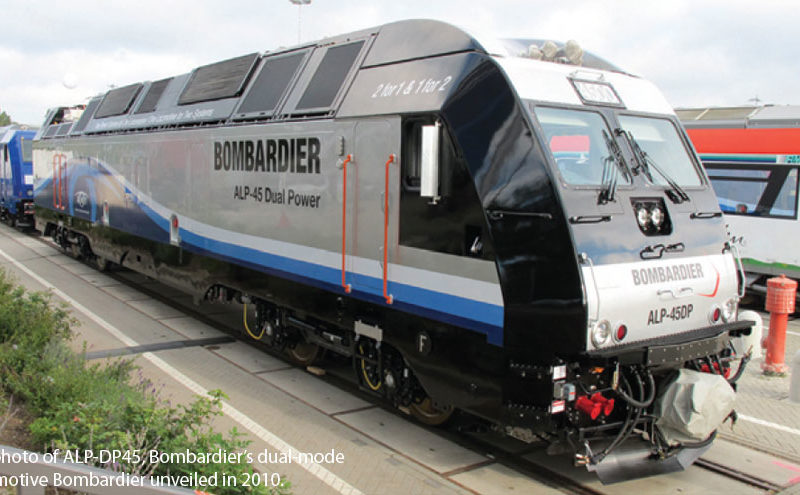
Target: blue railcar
x=16, y=175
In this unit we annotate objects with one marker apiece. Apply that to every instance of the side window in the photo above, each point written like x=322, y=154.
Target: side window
x=786, y=202
x=118, y=101
x=87, y=115
x=27, y=150
x=755, y=190
x=412, y=135
x=453, y=223
x=224, y=79
x=153, y=95
x=329, y=76
x=271, y=83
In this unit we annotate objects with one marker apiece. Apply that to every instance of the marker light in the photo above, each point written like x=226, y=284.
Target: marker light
x=174, y=232
x=621, y=332
x=642, y=216
x=715, y=314
x=657, y=216
x=600, y=333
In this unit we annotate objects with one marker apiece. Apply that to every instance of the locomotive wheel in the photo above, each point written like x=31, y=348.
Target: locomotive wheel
x=303, y=353
x=101, y=263
x=370, y=374
x=430, y=413
x=63, y=242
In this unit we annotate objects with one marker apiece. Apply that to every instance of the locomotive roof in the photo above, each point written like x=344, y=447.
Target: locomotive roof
x=7, y=133
x=304, y=81
x=4, y=130
x=741, y=116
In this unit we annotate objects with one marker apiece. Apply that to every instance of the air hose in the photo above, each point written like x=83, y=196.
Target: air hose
x=640, y=404
x=627, y=427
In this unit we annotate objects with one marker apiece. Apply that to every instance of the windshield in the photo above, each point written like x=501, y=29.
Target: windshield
x=576, y=140
x=660, y=140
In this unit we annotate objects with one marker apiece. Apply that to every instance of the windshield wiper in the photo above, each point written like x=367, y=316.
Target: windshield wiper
x=638, y=155
x=645, y=163
x=611, y=169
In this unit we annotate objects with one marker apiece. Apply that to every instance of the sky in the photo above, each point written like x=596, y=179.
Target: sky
x=698, y=52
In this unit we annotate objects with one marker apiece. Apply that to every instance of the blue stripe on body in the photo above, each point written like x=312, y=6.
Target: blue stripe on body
x=476, y=315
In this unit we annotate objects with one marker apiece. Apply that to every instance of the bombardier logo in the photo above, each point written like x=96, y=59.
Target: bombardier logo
x=82, y=199
x=296, y=155
x=669, y=273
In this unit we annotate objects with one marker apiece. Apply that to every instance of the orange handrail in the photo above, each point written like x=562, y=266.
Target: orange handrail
x=347, y=287
x=59, y=180
x=56, y=178
x=388, y=297
x=63, y=185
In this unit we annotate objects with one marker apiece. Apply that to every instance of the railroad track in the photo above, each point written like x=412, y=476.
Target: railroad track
x=737, y=475
x=466, y=431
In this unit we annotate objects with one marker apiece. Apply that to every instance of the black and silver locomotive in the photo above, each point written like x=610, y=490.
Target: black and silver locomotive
x=513, y=228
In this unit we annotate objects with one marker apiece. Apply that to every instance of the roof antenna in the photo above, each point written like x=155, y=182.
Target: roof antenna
x=299, y=4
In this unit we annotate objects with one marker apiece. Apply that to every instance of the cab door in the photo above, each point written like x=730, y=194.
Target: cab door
x=376, y=150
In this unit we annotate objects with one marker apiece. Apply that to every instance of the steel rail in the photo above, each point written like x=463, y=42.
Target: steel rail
x=737, y=475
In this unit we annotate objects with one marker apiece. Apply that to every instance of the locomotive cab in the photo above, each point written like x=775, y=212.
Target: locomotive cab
x=620, y=289
x=659, y=283
x=16, y=176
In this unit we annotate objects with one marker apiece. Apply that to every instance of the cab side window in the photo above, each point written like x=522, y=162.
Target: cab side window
x=451, y=223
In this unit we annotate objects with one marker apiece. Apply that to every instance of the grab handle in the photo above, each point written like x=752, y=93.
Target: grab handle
x=63, y=198
x=347, y=287
x=681, y=293
x=386, y=295
x=56, y=178
x=59, y=180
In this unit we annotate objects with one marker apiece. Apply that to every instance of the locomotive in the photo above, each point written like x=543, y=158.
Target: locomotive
x=16, y=175
x=514, y=228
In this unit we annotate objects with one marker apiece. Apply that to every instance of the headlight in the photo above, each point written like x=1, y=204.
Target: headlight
x=657, y=216
x=642, y=216
x=729, y=310
x=600, y=333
